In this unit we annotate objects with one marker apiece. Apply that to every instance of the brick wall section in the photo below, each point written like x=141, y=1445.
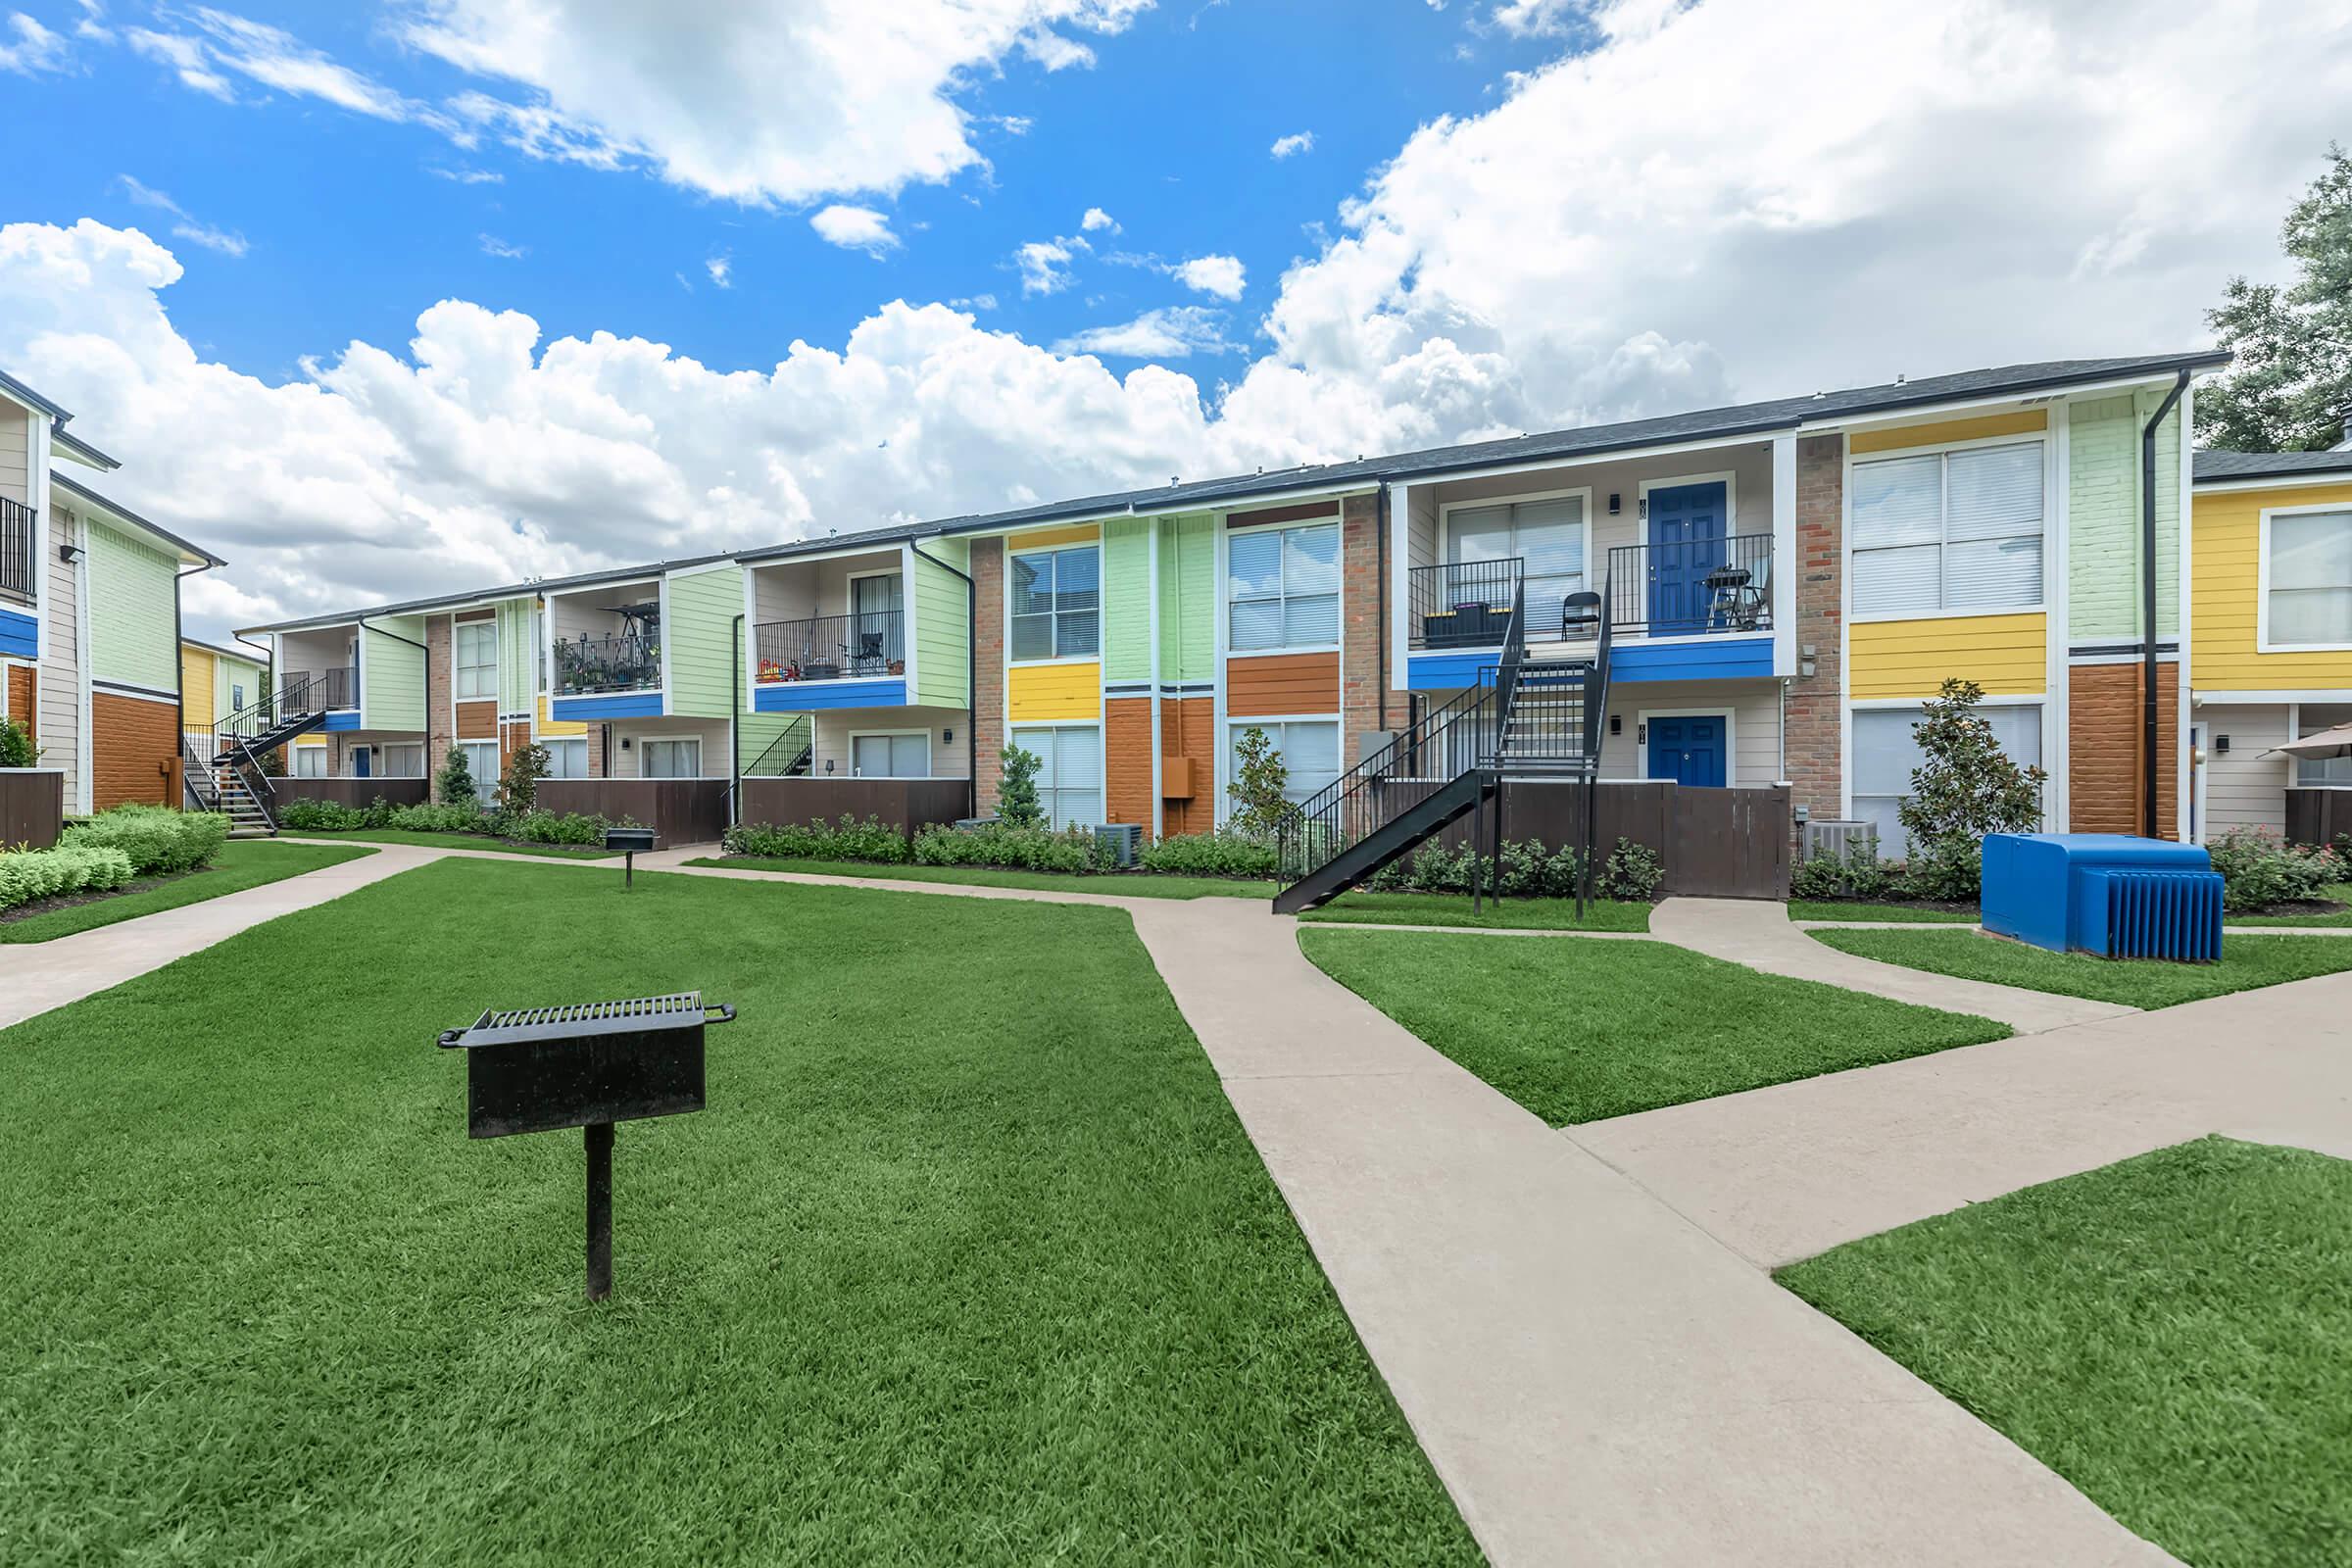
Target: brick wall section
x=436, y=693
x=1360, y=674
x=1813, y=731
x=133, y=743
x=988, y=695
x=2103, y=740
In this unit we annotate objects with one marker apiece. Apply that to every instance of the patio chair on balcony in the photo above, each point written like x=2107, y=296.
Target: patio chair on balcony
x=870, y=660
x=1580, y=616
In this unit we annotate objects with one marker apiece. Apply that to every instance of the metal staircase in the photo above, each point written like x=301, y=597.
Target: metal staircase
x=224, y=765
x=1519, y=720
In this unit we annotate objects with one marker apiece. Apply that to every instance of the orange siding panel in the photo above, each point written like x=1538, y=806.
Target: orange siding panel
x=22, y=700
x=478, y=721
x=2104, y=719
x=1187, y=730
x=1282, y=683
x=133, y=744
x=1127, y=761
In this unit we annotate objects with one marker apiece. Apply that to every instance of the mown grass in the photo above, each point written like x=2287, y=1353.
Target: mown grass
x=1454, y=909
x=968, y=1261
x=241, y=863
x=1125, y=884
x=2334, y=893
x=2245, y=963
x=1847, y=909
x=454, y=840
x=2167, y=1333
x=1576, y=1031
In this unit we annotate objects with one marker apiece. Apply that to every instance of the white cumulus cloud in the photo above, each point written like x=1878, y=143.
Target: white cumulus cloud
x=854, y=229
x=1221, y=275
x=1292, y=145
x=1169, y=333
x=33, y=47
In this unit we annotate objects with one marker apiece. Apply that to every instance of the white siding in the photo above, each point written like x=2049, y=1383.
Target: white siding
x=13, y=476
x=61, y=663
x=2244, y=787
x=1754, y=706
x=949, y=760
x=712, y=731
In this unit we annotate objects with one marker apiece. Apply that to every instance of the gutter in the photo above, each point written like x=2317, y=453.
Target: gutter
x=2147, y=602
x=971, y=675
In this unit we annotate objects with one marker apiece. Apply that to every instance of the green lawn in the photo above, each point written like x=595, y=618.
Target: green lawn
x=1126, y=884
x=2168, y=1333
x=2339, y=892
x=453, y=841
x=1847, y=909
x=241, y=863
x=1576, y=1031
x=968, y=1261
x=2247, y=963
x=1449, y=909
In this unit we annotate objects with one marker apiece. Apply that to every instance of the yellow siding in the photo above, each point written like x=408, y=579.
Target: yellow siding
x=550, y=729
x=2031, y=423
x=2006, y=655
x=2226, y=541
x=1085, y=533
x=196, y=685
x=1053, y=691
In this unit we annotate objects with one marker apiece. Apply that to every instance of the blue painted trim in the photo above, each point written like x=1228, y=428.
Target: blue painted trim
x=1729, y=660
x=616, y=704
x=343, y=720
x=810, y=698
x=1446, y=672
x=20, y=635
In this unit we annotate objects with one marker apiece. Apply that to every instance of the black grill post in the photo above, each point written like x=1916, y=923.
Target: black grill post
x=629, y=840
x=599, y=1136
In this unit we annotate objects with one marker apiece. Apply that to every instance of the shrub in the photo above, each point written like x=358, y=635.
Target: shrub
x=454, y=785
x=16, y=745
x=1016, y=849
x=1632, y=871
x=465, y=818
x=1821, y=877
x=518, y=786
x=320, y=816
x=1965, y=787
x=852, y=840
x=30, y=874
x=156, y=839
x=548, y=827
x=1221, y=853
x=1259, y=777
x=1016, y=789
x=2259, y=870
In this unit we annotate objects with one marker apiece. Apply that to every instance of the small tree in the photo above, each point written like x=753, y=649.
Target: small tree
x=518, y=786
x=1260, y=779
x=1016, y=793
x=16, y=745
x=1965, y=787
x=454, y=784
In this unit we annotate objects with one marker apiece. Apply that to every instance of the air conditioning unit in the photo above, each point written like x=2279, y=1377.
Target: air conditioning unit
x=1126, y=842
x=1841, y=840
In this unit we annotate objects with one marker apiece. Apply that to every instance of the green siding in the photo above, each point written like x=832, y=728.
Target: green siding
x=392, y=674
x=518, y=656
x=1188, y=598
x=227, y=675
x=2104, y=519
x=1127, y=599
x=757, y=732
x=699, y=632
x=133, y=638
x=943, y=626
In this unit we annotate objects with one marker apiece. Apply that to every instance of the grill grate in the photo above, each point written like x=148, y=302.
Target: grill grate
x=587, y=1020
x=579, y=1015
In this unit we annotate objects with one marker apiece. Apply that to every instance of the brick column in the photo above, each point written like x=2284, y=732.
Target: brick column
x=1360, y=674
x=988, y=676
x=1813, y=734
x=437, y=738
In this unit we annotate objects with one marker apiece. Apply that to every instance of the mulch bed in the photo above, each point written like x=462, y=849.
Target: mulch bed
x=70, y=900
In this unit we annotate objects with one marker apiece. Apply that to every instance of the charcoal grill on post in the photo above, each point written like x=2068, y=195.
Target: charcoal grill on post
x=585, y=1064
x=630, y=840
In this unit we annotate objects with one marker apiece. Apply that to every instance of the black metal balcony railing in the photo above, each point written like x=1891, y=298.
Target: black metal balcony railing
x=622, y=662
x=833, y=646
x=1695, y=588
x=325, y=690
x=16, y=534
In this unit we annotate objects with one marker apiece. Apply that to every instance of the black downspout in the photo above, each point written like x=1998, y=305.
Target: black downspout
x=971, y=677
x=2149, y=734
x=735, y=729
x=428, y=683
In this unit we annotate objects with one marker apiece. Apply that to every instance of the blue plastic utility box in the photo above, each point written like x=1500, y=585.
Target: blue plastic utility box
x=2105, y=892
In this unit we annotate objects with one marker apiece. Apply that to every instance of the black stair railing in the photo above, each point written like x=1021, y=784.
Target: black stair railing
x=786, y=757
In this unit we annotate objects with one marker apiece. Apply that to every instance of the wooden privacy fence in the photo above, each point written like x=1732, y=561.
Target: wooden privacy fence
x=352, y=791
x=1714, y=842
x=679, y=811
x=908, y=804
x=32, y=807
x=2316, y=816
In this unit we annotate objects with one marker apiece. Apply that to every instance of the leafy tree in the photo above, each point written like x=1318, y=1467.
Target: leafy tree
x=518, y=787
x=16, y=745
x=1016, y=793
x=1260, y=779
x=2290, y=388
x=1964, y=788
x=454, y=784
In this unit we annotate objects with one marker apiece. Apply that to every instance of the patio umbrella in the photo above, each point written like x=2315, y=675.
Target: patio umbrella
x=2336, y=741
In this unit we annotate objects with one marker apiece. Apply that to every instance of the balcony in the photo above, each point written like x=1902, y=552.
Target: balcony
x=18, y=531
x=1698, y=588
x=312, y=691
x=853, y=646
x=616, y=661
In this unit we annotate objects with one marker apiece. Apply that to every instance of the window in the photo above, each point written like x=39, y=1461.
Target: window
x=1548, y=536
x=2309, y=570
x=566, y=758
x=1282, y=588
x=1886, y=752
x=1069, y=773
x=481, y=760
x=1057, y=603
x=677, y=758
x=310, y=762
x=1948, y=530
x=890, y=755
x=1309, y=747
x=404, y=762
x=477, y=659
x=2314, y=771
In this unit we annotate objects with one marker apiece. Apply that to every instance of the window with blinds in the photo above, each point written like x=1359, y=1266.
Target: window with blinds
x=1309, y=751
x=1546, y=536
x=1069, y=772
x=1057, y=603
x=1886, y=752
x=477, y=659
x=1948, y=530
x=2310, y=573
x=890, y=755
x=1282, y=588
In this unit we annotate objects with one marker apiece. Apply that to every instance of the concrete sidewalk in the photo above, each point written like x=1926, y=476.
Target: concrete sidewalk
x=1760, y=935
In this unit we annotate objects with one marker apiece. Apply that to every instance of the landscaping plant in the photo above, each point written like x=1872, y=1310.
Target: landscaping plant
x=518, y=785
x=1016, y=788
x=156, y=839
x=1016, y=849
x=1221, y=853
x=2259, y=870
x=454, y=785
x=1260, y=779
x=30, y=874
x=16, y=745
x=852, y=840
x=1965, y=787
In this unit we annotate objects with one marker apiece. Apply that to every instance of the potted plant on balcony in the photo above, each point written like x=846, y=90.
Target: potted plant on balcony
x=898, y=666
x=771, y=670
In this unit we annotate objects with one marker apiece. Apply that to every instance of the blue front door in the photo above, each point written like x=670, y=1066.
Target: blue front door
x=1687, y=529
x=361, y=762
x=1687, y=751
